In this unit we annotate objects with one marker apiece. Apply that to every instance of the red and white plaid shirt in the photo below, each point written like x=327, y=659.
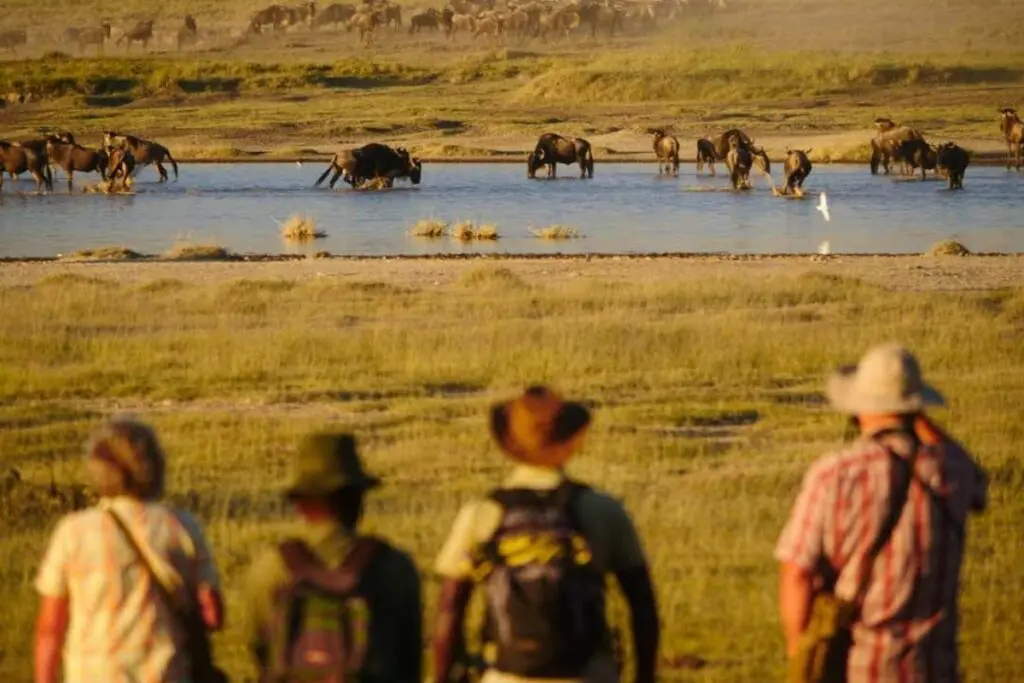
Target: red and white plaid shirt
x=907, y=629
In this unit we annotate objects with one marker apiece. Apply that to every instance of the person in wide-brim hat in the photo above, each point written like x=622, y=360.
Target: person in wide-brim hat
x=539, y=427
x=325, y=464
x=886, y=381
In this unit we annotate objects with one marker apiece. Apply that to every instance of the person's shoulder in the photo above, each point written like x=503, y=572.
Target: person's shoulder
x=591, y=500
x=845, y=461
x=392, y=560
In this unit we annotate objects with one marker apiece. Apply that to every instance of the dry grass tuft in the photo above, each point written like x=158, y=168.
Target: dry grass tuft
x=486, y=277
x=104, y=254
x=190, y=251
x=468, y=232
x=948, y=248
x=432, y=228
x=301, y=228
x=557, y=232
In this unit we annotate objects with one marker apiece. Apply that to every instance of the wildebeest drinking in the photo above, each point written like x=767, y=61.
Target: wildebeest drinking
x=372, y=162
x=553, y=149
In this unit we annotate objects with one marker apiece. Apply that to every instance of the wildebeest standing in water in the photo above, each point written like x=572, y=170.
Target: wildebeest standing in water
x=739, y=162
x=953, y=160
x=887, y=145
x=120, y=166
x=142, y=33
x=553, y=149
x=11, y=40
x=706, y=155
x=17, y=159
x=1013, y=132
x=144, y=152
x=796, y=169
x=918, y=154
x=38, y=148
x=666, y=148
x=66, y=154
x=372, y=162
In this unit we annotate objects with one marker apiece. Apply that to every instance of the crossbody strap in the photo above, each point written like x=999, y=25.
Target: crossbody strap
x=304, y=566
x=169, y=583
x=901, y=478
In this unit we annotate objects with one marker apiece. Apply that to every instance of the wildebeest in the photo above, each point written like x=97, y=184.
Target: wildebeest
x=334, y=14
x=739, y=161
x=142, y=33
x=601, y=15
x=1013, y=132
x=276, y=17
x=796, y=169
x=366, y=23
x=760, y=159
x=188, y=33
x=12, y=39
x=666, y=148
x=553, y=149
x=392, y=15
x=144, y=152
x=66, y=154
x=86, y=37
x=918, y=154
x=706, y=155
x=303, y=13
x=953, y=160
x=120, y=165
x=886, y=146
x=372, y=161
x=428, y=18
x=721, y=144
x=16, y=159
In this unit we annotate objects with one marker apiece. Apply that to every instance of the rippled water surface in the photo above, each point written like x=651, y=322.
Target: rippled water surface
x=625, y=208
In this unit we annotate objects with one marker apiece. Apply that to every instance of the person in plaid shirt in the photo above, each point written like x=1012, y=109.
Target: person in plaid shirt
x=907, y=624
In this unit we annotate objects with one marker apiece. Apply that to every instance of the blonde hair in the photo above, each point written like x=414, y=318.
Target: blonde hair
x=124, y=457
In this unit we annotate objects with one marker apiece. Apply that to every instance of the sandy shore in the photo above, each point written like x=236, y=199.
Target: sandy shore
x=910, y=273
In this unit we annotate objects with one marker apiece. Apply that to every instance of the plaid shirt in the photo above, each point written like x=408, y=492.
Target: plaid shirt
x=120, y=630
x=907, y=629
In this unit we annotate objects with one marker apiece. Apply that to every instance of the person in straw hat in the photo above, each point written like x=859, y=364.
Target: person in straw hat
x=879, y=527
x=326, y=598
x=100, y=601
x=540, y=546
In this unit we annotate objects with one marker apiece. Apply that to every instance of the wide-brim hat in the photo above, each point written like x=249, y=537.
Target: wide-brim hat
x=534, y=427
x=326, y=463
x=887, y=380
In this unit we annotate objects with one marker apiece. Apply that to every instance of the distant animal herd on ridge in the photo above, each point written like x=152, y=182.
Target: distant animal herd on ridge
x=377, y=165
x=496, y=21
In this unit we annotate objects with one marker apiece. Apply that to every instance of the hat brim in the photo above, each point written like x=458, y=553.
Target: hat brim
x=573, y=418
x=327, y=487
x=844, y=396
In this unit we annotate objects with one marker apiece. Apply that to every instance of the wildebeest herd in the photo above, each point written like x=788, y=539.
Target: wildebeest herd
x=377, y=165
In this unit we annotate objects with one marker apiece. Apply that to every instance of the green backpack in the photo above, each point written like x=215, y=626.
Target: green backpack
x=321, y=626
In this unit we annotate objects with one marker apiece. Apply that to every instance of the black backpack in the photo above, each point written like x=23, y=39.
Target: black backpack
x=545, y=598
x=321, y=626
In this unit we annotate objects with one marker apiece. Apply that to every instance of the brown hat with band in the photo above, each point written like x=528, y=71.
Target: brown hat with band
x=534, y=427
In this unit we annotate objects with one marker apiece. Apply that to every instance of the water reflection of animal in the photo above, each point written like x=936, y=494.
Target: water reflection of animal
x=372, y=161
x=552, y=149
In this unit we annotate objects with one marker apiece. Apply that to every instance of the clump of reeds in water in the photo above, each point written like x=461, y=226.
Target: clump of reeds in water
x=301, y=228
x=556, y=232
x=431, y=228
x=467, y=232
x=190, y=251
x=112, y=253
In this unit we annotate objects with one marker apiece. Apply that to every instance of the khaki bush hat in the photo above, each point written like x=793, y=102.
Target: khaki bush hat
x=887, y=380
x=528, y=428
x=326, y=463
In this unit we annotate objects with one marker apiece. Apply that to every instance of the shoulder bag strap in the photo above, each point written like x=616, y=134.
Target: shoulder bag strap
x=168, y=583
x=304, y=566
x=902, y=476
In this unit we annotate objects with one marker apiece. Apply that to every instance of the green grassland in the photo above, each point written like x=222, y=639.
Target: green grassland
x=777, y=68
x=705, y=388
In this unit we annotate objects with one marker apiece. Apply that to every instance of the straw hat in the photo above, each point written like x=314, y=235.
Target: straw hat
x=534, y=427
x=326, y=463
x=887, y=380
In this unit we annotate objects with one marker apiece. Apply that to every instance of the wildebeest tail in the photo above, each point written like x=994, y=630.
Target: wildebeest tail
x=174, y=164
x=590, y=161
x=331, y=167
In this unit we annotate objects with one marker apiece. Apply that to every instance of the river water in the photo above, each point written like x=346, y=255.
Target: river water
x=626, y=208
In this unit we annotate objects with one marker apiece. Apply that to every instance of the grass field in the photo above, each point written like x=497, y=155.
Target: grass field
x=786, y=71
x=704, y=379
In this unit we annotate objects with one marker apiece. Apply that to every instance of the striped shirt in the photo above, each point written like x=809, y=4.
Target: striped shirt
x=906, y=632
x=120, y=630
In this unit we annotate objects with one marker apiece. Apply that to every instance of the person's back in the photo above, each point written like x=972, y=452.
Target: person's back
x=100, y=598
x=325, y=599
x=906, y=593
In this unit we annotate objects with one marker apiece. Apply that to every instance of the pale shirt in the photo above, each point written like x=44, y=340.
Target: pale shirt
x=120, y=630
x=609, y=531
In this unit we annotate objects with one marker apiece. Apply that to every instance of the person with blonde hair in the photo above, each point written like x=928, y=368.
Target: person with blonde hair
x=118, y=577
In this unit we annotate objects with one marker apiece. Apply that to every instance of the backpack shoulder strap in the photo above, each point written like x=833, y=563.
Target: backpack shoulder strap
x=305, y=567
